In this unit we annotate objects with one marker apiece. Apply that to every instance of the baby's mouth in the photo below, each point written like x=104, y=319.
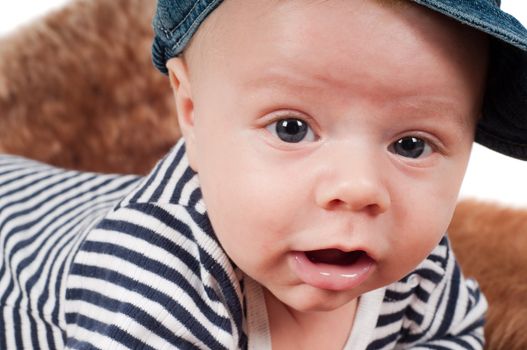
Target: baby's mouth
x=332, y=269
x=334, y=256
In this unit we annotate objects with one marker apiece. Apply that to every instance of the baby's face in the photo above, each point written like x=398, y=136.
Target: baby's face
x=331, y=139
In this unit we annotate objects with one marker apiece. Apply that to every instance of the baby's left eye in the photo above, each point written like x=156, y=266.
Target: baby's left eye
x=411, y=147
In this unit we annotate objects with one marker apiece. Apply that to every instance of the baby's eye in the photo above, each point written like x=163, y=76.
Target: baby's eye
x=411, y=147
x=292, y=130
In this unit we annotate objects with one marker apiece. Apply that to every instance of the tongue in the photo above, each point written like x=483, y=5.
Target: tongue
x=333, y=256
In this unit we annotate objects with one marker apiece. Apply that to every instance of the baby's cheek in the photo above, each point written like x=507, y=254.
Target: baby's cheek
x=410, y=244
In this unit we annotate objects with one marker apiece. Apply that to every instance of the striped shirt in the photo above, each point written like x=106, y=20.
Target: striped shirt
x=94, y=261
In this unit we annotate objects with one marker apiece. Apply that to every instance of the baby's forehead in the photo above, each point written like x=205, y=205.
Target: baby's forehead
x=302, y=32
x=236, y=19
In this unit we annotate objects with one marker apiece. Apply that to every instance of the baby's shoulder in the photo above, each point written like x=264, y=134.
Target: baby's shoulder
x=155, y=266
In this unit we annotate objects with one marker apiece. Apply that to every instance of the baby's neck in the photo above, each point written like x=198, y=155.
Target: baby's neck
x=292, y=329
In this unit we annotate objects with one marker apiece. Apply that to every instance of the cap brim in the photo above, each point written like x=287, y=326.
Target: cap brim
x=503, y=124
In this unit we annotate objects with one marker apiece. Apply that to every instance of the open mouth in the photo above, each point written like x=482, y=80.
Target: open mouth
x=334, y=256
x=332, y=269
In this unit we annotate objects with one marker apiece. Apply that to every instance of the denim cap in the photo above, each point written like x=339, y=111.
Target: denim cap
x=503, y=123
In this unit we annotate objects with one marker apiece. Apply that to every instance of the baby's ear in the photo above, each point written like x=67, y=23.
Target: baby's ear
x=180, y=82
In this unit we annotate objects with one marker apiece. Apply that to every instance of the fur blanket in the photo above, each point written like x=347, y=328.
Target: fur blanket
x=77, y=90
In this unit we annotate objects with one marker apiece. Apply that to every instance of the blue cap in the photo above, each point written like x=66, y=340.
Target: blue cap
x=503, y=125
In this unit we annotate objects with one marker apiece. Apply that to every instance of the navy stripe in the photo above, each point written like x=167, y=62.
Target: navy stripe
x=429, y=274
x=390, y=318
x=438, y=347
x=413, y=315
x=451, y=306
x=383, y=342
x=3, y=330
x=33, y=327
x=111, y=331
x=195, y=197
x=74, y=343
x=148, y=183
x=18, y=332
x=463, y=343
x=186, y=177
x=422, y=294
x=168, y=174
x=392, y=296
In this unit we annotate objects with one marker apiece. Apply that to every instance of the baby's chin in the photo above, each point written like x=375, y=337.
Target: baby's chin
x=305, y=298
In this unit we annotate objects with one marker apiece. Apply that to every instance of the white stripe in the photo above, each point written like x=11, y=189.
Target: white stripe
x=174, y=180
x=95, y=339
x=8, y=161
x=149, y=191
x=189, y=188
x=24, y=324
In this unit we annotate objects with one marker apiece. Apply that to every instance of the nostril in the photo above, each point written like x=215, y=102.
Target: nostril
x=335, y=204
x=371, y=209
x=374, y=209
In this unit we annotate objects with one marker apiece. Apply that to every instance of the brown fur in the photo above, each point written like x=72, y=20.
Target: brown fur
x=77, y=89
x=491, y=244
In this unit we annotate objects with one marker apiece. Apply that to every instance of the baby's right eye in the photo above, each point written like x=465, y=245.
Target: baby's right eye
x=292, y=130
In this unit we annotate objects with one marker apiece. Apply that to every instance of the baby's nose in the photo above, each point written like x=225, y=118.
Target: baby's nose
x=353, y=180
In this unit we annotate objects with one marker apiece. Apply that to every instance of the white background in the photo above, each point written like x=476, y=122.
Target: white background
x=490, y=176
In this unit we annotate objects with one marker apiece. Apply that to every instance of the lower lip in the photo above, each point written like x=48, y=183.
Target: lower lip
x=331, y=277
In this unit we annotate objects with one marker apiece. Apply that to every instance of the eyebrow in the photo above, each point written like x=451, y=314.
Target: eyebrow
x=439, y=108
x=271, y=79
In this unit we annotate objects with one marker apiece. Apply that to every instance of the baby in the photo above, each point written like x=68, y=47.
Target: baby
x=324, y=144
